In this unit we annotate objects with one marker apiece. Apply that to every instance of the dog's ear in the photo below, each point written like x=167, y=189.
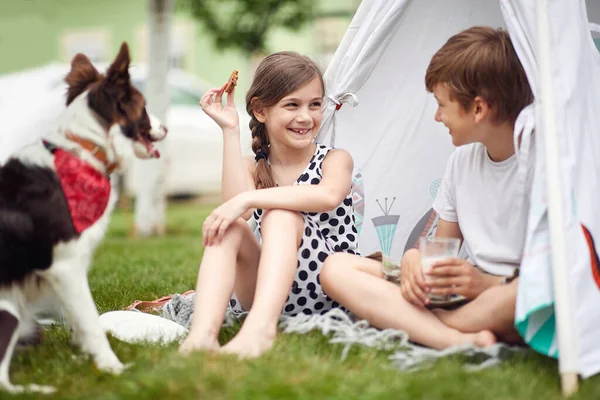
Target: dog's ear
x=82, y=74
x=118, y=72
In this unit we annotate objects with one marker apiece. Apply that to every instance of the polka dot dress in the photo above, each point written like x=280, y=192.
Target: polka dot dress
x=324, y=233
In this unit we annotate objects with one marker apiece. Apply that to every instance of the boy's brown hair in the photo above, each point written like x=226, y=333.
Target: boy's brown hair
x=481, y=61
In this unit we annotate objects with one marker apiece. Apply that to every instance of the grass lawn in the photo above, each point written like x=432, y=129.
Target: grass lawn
x=299, y=366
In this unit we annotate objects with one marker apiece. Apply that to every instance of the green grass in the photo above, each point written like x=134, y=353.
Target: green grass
x=299, y=366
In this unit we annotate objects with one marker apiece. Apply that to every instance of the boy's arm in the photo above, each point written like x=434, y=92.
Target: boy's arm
x=448, y=229
x=457, y=276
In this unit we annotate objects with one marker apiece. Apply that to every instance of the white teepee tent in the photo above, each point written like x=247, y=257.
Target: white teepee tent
x=378, y=109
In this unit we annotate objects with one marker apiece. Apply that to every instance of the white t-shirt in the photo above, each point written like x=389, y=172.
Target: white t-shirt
x=489, y=201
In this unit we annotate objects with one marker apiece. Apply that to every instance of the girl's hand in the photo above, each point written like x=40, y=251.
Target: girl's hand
x=456, y=276
x=216, y=224
x=226, y=117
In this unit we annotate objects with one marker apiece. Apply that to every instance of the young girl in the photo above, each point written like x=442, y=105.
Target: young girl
x=300, y=194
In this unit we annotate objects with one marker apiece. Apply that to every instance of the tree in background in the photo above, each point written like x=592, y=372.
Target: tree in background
x=233, y=24
x=245, y=24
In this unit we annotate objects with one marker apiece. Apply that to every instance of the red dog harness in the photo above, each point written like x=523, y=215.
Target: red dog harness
x=85, y=188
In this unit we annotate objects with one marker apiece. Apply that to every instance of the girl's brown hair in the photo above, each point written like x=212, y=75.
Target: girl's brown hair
x=278, y=75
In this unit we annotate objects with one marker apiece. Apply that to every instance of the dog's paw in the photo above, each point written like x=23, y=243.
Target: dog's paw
x=40, y=389
x=111, y=365
x=31, y=388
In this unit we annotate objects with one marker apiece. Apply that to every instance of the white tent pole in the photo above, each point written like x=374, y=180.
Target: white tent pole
x=359, y=17
x=565, y=325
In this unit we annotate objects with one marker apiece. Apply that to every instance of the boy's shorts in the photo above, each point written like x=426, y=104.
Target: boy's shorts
x=453, y=301
x=449, y=303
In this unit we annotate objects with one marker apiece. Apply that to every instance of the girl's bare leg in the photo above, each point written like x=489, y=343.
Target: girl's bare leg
x=281, y=235
x=233, y=261
x=357, y=284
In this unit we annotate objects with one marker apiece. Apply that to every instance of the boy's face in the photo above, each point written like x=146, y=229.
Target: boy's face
x=461, y=123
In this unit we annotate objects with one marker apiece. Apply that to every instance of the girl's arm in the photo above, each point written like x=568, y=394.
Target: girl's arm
x=237, y=170
x=236, y=177
x=328, y=194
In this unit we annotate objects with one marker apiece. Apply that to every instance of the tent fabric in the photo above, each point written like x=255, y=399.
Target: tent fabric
x=576, y=85
x=400, y=152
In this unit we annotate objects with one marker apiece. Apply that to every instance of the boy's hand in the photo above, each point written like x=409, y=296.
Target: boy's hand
x=457, y=276
x=226, y=117
x=411, y=280
x=216, y=224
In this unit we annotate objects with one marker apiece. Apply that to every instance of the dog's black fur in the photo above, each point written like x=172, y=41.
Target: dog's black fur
x=34, y=217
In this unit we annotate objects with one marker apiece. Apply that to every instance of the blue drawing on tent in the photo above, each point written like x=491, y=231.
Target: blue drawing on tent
x=385, y=226
x=435, y=186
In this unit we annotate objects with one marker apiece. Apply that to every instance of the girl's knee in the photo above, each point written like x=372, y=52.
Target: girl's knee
x=332, y=263
x=335, y=266
x=241, y=225
x=237, y=230
x=278, y=219
x=330, y=271
x=279, y=216
x=277, y=223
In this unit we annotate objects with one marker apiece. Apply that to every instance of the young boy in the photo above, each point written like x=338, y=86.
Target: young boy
x=480, y=87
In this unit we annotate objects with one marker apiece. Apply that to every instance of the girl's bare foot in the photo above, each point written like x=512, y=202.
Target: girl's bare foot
x=198, y=343
x=249, y=344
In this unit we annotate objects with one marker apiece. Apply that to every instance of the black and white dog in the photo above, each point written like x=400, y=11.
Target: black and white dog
x=55, y=202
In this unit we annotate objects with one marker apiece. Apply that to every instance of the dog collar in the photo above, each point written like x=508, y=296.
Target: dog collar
x=97, y=152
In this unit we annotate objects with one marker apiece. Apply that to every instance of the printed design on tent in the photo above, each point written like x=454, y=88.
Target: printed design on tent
x=427, y=224
x=385, y=226
x=594, y=260
x=434, y=187
x=424, y=228
x=358, y=200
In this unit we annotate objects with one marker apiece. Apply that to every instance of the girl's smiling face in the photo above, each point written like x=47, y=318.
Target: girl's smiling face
x=295, y=120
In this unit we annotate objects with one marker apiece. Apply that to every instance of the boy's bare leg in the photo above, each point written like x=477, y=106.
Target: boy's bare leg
x=233, y=260
x=356, y=283
x=281, y=235
x=494, y=309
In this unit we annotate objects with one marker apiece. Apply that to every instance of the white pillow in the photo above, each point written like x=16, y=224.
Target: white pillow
x=135, y=327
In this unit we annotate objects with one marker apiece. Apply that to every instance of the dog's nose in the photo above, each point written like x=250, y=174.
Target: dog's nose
x=164, y=129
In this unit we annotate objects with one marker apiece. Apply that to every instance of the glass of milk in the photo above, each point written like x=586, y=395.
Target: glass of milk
x=434, y=249
x=391, y=269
